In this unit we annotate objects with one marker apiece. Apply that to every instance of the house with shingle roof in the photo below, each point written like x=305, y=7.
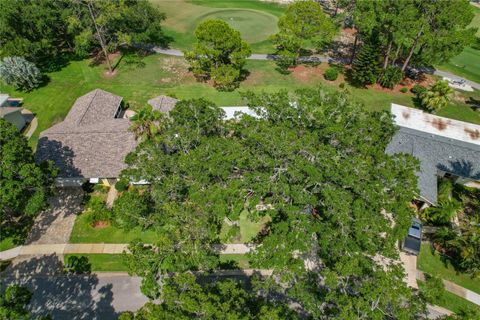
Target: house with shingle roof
x=444, y=147
x=92, y=141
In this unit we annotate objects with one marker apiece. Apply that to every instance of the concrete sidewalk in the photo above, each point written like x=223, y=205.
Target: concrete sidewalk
x=454, y=288
x=98, y=248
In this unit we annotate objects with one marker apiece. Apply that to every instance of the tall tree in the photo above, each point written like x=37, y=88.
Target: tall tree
x=335, y=198
x=183, y=298
x=218, y=53
x=20, y=73
x=109, y=25
x=35, y=29
x=14, y=300
x=24, y=185
x=365, y=68
x=303, y=21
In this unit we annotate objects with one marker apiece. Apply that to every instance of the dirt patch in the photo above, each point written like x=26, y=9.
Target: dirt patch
x=107, y=74
x=253, y=78
x=308, y=74
x=101, y=224
x=178, y=68
x=425, y=81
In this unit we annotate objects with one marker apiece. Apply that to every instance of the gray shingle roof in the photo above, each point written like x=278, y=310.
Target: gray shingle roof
x=163, y=104
x=90, y=142
x=436, y=153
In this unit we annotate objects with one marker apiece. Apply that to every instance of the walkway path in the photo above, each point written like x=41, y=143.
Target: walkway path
x=105, y=248
x=30, y=117
x=316, y=58
x=456, y=289
x=55, y=224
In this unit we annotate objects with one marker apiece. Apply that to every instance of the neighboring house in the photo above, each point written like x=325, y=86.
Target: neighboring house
x=91, y=143
x=11, y=113
x=445, y=147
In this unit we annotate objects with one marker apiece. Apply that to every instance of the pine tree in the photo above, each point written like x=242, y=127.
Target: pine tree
x=20, y=73
x=365, y=68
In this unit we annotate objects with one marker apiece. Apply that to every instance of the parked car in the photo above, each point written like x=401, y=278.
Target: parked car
x=413, y=241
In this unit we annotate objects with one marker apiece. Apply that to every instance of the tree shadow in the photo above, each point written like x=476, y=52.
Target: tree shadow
x=61, y=155
x=473, y=103
x=61, y=295
x=463, y=168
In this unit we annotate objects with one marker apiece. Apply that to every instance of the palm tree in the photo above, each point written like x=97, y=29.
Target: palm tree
x=437, y=96
x=443, y=213
x=468, y=247
x=146, y=123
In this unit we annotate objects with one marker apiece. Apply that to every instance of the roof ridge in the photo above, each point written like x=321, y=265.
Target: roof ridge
x=88, y=107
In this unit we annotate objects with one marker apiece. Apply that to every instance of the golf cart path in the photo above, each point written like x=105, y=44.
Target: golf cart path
x=317, y=58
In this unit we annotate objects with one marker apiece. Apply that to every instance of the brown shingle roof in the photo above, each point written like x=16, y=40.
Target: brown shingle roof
x=162, y=103
x=90, y=142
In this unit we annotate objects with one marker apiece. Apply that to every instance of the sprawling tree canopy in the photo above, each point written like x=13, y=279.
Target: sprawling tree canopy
x=24, y=185
x=43, y=31
x=184, y=298
x=315, y=163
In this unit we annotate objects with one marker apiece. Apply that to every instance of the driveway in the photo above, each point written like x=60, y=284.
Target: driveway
x=55, y=224
x=409, y=262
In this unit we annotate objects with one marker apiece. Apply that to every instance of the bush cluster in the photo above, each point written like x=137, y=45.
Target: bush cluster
x=331, y=74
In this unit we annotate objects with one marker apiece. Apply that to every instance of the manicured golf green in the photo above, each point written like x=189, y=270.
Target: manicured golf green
x=254, y=26
x=255, y=20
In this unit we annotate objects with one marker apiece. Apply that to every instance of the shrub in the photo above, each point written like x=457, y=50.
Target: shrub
x=122, y=185
x=433, y=289
x=78, y=264
x=331, y=74
x=132, y=209
x=20, y=73
x=342, y=85
x=391, y=77
x=403, y=90
x=96, y=210
x=418, y=89
x=437, y=96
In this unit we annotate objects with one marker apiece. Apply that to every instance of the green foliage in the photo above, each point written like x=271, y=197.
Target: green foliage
x=219, y=53
x=437, y=96
x=183, y=298
x=24, y=185
x=418, y=89
x=20, y=73
x=316, y=161
x=443, y=213
x=122, y=185
x=14, y=300
x=331, y=74
x=391, y=77
x=97, y=210
x=146, y=123
x=465, y=314
x=132, y=209
x=78, y=265
x=404, y=90
x=365, y=68
x=433, y=289
x=467, y=248
x=303, y=21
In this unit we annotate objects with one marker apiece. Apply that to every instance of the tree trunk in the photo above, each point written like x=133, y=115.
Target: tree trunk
x=387, y=54
x=407, y=61
x=100, y=37
x=354, y=48
x=397, y=52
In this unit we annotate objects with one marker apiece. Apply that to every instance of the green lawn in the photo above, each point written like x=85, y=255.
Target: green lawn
x=140, y=80
x=83, y=233
x=248, y=229
x=104, y=262
x=467, y=63
x=451, y=301
x=7, y=243
x=255, y=20
x=432, y=263
x=240, y=260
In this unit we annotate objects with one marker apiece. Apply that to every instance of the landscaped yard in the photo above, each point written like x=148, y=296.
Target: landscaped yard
x=452, y=302
x=240, y=260
x=432, y=263
x=140, y=80
x=83, y=232
x=104, y=262
x=247, y=229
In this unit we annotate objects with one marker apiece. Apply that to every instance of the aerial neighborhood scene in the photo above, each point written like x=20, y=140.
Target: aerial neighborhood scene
x=240, y=159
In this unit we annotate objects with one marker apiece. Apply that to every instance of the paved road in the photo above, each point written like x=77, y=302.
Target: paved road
x=95, y=296
x=317, y=58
